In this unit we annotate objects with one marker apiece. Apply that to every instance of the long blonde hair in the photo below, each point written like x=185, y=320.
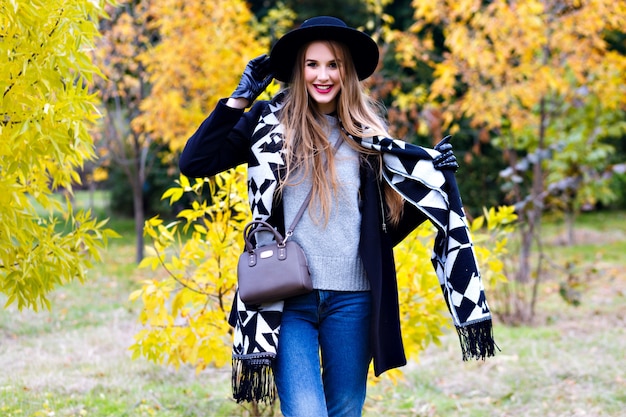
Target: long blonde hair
x=306, y=143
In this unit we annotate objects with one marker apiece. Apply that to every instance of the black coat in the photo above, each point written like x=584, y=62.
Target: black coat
x=223, y=141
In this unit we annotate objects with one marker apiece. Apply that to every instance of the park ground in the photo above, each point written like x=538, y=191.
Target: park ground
x=74, y=360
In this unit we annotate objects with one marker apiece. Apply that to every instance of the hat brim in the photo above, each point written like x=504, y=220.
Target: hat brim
x=363, y=49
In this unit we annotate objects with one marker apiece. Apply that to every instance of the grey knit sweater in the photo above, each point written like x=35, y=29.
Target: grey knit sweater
x=332, y=249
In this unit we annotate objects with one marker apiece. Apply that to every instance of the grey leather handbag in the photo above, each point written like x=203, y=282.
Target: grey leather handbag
x=276, y=271
x=271, y=272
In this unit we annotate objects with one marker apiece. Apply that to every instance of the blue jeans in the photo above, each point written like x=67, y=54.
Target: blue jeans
x=337, y=324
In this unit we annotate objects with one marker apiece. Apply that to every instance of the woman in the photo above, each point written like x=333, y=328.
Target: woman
x=348, y=232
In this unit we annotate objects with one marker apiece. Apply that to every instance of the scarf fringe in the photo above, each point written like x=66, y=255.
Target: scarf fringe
x=477, y=340
x=253, y=380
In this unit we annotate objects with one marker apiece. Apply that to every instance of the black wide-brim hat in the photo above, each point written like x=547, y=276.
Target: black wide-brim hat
x=362, y=47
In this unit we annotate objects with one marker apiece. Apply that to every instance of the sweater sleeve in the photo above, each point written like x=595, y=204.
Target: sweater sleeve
x=411, y=219
x=221, y=142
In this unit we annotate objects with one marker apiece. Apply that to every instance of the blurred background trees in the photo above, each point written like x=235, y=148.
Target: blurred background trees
x=541, y=78
x=479, y=72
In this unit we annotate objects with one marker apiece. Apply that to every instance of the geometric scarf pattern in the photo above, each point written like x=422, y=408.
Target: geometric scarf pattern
x=409, y=170
x=257, y=328
x=255, y=342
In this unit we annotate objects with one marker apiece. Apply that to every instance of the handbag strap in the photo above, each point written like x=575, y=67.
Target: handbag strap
x=306, y=201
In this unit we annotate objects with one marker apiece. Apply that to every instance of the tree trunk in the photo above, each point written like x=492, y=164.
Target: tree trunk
x=530, y=231
x=523, y=272
x=139, y=221
x=570, y=217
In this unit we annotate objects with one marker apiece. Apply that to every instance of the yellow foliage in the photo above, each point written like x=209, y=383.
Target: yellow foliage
x=100, y=174
x=165, y=65
x=510, y=55
x=46, y=111
x=205, y=46
x=188, y=307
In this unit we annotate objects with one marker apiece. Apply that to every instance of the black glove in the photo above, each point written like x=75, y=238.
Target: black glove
x=255, y=78
x=446, y=160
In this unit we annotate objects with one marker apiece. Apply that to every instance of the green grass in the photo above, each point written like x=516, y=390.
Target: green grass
x=74, y=361
x=599, y=236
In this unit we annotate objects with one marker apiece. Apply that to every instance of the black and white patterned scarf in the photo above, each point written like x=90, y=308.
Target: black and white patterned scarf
x=409, y=170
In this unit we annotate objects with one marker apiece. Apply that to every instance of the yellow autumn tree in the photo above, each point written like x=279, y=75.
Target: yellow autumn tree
x=165, y=64
x=511, y=55
x=541, y=78
x=204, y=47
x=186, y=306
x=46, y=111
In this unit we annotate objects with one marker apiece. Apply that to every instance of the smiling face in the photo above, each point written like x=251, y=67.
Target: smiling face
x=322, y=75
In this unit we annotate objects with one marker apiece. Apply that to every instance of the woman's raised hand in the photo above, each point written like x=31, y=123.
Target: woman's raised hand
x=255, y=78
x=446, y=160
